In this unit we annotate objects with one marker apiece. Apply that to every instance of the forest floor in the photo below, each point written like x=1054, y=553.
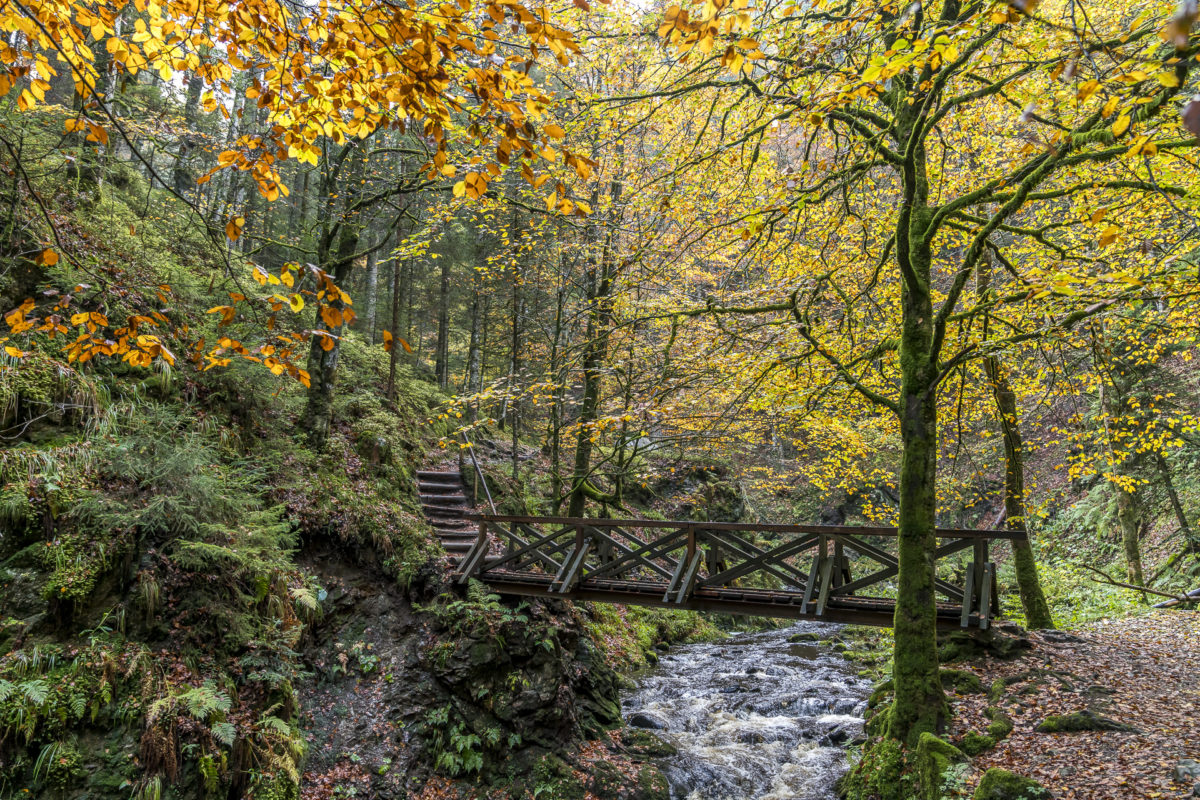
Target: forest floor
x=1140, y=671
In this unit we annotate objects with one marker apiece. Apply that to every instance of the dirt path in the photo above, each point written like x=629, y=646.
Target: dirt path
x=1142, y=671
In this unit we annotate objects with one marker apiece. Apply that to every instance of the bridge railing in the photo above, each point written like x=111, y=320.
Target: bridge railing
x=842, y=573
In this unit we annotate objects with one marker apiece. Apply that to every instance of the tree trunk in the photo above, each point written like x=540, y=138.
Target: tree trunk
x=181, y=174
x=514, y=369
x=395, y=328
x=473, y=380
x=1191, y=543
x=920, y=703
x=557, y=401
x=441, y=358
x=416, y=335
x=322, y=362
x=1129, y=519
x=599, y=319
x=1033, y=600
x=372, y=294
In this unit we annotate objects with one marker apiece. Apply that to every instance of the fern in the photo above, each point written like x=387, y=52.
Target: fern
x=205, y=703
x=225, y=733
x=35, y=691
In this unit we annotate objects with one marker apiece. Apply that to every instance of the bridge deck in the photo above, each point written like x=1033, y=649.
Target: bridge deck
x=789, y=571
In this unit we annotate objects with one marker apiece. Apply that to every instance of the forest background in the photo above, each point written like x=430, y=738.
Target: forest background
x=901, y=264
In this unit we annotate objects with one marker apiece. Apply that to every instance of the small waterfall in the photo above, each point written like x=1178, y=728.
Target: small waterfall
x=754, y=717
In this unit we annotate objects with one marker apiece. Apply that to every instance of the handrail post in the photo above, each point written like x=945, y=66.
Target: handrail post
x=479, y=480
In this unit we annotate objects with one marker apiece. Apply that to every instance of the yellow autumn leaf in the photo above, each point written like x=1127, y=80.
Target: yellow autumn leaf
x=233, y=228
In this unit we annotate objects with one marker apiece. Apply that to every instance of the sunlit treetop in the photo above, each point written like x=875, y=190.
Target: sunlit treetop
x=337, y=68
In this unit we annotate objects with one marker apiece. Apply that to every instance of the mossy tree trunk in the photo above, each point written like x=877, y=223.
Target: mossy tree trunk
x=324, y=352
x=920, y=703
x=1129, y=520
x=1190, y=540
x=1033, y=600
x=602, y=271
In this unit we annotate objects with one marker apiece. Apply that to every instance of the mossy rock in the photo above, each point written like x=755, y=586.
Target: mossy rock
x=808, y=636
x=933, y=757
x=652, y=784
x=1001, y=725
x=962, y=681
x=879, y=693
x=553, y=777
x=961, y=646
x=876, y=724
x=605, y=781
x=1078, y=721
x=974, y=743
x=1000, y=784
x=878, y=775
x=645, y=743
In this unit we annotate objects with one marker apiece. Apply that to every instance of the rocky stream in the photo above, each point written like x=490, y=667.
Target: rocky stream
x=758, y=716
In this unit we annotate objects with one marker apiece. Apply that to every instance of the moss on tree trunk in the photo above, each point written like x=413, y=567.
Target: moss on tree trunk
x=920, y=703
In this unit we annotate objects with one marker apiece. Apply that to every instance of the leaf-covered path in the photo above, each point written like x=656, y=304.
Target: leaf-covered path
x=1141, y=671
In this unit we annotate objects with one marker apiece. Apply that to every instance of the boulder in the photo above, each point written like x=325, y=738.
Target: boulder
x=1187, y=770
x=933, y=758
x=1000, y=784
x=644, y=719
x=644, y=743
x=962, y=681
x=1085, y=720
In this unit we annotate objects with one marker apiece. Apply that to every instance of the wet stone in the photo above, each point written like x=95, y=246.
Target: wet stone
x=649, y=721
x=1187, y=770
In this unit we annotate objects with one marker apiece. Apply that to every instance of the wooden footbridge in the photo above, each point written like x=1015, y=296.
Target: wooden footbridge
x=839, y=574
x=833, y=573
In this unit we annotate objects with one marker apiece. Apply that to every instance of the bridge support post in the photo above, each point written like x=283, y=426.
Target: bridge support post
x=979, y=590
x=475, y=555
x=827, y=577
x=841, y=565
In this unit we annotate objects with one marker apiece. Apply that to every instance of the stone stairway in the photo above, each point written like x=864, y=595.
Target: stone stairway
x=444, y=501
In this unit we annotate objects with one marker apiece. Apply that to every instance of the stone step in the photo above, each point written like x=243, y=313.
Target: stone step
x=443, y=499
x=458, y=536
x=456, y=547
x=439, y=488
x=453, y=512
x=430, y=476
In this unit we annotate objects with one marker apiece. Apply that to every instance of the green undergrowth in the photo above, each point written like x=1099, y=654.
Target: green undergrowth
x=151, y=606
x=628, y=635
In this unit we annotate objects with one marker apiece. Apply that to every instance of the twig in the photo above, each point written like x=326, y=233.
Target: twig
x=1182, y=598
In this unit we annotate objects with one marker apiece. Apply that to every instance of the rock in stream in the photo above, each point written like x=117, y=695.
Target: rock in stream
x=753, y=717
